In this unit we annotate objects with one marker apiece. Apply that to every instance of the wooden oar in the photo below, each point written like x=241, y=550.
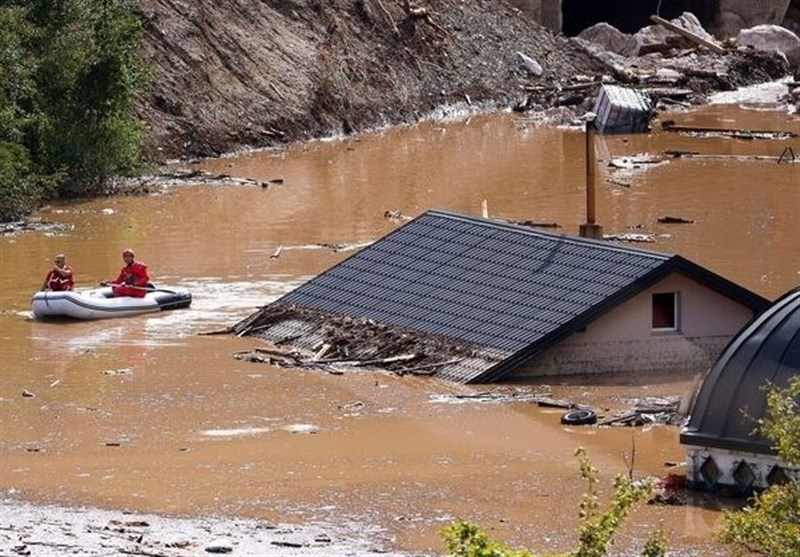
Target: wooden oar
x=145, y=288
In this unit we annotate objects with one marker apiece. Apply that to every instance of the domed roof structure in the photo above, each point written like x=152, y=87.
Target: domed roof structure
x=732, y=397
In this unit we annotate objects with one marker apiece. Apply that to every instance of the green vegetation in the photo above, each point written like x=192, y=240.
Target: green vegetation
x=69, y=72
x=771, y=524
x=597, y=529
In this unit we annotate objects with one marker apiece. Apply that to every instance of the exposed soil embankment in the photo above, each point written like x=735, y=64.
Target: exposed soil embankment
x=236, y=73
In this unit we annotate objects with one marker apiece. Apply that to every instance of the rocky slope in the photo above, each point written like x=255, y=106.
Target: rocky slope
x=231, y=73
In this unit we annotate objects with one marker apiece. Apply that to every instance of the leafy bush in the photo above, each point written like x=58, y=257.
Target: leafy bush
x=770, y=525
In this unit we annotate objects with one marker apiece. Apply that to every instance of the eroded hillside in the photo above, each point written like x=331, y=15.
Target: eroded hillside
x=234, y=73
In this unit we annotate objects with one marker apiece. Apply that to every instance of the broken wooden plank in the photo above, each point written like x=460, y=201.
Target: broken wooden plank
x=553, y=403
x=250, y=330
x=389, y=360
x=322, y=351
x=619, y=419
x=697, y=39
x=427, y=367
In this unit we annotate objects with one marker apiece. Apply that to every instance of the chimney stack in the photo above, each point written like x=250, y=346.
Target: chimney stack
x=590, y=229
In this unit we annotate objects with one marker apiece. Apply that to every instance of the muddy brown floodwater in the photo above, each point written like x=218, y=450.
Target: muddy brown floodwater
x=143, y=414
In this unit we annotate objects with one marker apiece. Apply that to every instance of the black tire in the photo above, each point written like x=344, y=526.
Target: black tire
x=579, y=417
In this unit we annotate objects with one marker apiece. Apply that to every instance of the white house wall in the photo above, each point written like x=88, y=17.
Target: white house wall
x=623, y=340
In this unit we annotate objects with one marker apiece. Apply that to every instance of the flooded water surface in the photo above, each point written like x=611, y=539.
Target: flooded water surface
x=144, y=414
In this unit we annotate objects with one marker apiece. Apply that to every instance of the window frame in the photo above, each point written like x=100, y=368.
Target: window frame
x=676, y=313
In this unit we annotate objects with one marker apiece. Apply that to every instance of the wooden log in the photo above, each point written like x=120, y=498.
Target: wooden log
x=670, y=126
x=714, y=47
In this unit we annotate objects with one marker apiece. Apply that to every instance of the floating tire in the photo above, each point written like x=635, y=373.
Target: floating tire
x=579, y=417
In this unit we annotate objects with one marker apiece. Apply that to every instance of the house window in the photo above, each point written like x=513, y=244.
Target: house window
x=665, y=311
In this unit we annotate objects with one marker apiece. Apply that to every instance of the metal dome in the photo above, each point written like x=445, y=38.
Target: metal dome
x=732, y=397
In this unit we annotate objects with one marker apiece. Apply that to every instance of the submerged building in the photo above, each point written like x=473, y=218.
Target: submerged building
x=517, y=301
x=722, y=446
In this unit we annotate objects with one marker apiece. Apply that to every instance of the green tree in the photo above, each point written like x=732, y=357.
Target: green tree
x=69, y=73
x=88, y=76
x=770, y=525
x=18, y=187
x=597, y=530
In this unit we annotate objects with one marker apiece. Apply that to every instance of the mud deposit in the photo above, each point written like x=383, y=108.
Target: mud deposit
x=49, y=530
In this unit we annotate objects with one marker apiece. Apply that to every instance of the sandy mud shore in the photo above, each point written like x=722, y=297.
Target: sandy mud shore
x=44, y=530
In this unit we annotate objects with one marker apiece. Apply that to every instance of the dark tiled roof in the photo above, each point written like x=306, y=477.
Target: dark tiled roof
x=731, y=398
x=513, y=290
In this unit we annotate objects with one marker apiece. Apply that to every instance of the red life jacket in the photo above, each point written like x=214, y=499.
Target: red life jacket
x=56, y=282
x=134, y=274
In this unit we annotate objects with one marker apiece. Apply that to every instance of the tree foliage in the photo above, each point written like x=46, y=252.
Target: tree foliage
x=770, y=525
x=782, y=424
x=597, y=529
x=69, y=72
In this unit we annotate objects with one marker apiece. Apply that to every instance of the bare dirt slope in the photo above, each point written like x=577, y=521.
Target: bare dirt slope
x=234, y=73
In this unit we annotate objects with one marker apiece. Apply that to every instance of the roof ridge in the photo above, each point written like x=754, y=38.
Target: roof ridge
x=532, y=231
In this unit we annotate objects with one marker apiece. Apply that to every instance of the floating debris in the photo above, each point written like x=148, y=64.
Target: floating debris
x=121, y=371
x=630, y=237
x=674, y=220
x=622, y=110
x=648, y=411
x=396, y=216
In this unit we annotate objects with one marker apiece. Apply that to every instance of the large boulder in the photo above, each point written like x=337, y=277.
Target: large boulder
x=654, y=35
x=610, y=38
x=734, y=15
x=771, y=38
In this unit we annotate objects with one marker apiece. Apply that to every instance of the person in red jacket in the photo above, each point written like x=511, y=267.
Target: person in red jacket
x=60, y=276
x=132, y=279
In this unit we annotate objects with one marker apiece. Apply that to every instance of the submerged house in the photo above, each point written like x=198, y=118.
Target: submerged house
x=519, y=301
x=721, y=445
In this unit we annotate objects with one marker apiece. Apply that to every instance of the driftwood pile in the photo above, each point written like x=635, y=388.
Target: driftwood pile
x=401, y=364
x=306, y=338
x=647, y=411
